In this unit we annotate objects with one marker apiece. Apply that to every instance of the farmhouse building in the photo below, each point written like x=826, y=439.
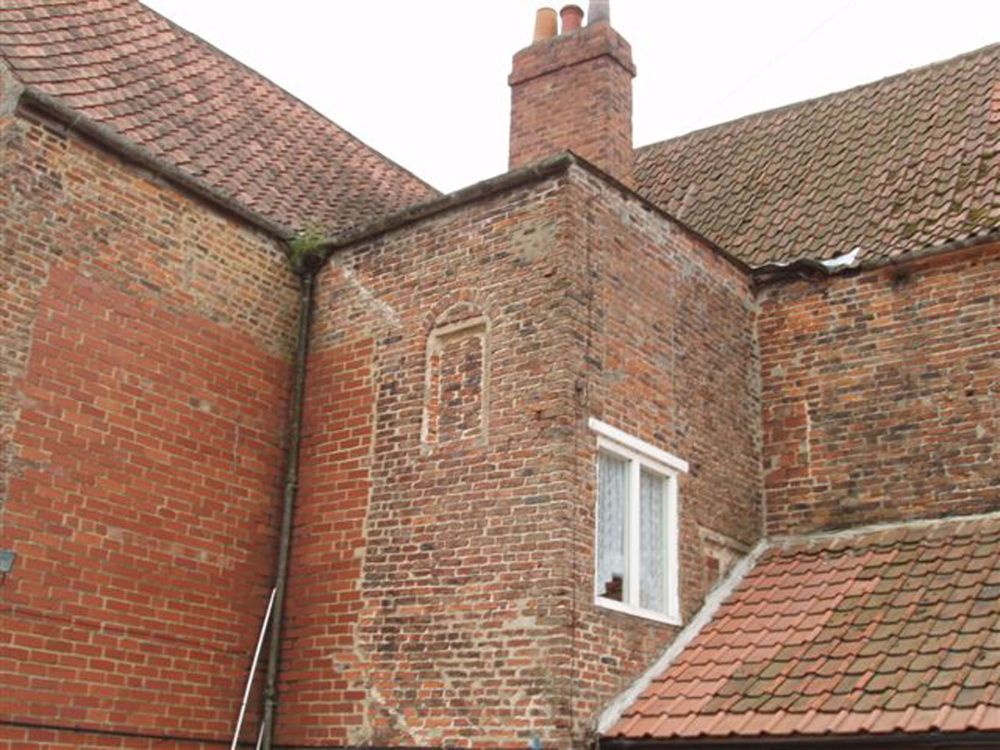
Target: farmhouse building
x=693, y=445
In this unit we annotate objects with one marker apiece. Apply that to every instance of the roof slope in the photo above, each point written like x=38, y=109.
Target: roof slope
x=889, y=631
x=120, y=64
x=898, y=165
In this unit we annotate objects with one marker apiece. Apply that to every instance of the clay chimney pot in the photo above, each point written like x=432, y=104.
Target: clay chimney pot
x=572, y=18
x=545, y=24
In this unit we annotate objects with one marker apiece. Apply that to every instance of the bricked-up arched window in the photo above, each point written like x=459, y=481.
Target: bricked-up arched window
x=637, y=534
x=456, y=404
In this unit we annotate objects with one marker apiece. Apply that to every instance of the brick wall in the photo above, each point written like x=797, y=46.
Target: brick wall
x=574, y=92
x=668, y=355
x=322, y=668
x=31, y=738
x=881, y=394
x=145, y=341
x=435, y=407
x=441, y=584
x=456, y=361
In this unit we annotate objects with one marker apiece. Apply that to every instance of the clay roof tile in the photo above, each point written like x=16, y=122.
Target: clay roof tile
x=119, y=64
x=886, y=654
x=891, y=167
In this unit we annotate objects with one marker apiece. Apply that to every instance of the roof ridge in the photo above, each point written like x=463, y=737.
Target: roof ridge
x=765, y=113
x=257, y=74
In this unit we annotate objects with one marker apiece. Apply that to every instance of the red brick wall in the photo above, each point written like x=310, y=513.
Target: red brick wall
x=880, y=394
x=321, y=668
x=442, y=570
x=452, y=540
x=145, y=340
x=30, y=738
x=574, y=92
x=668, y=355
x=455, y=604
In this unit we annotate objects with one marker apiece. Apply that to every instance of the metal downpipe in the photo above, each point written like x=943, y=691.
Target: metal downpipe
x=307, y=277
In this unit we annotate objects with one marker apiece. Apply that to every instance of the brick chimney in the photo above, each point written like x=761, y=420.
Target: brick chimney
x=573, y=91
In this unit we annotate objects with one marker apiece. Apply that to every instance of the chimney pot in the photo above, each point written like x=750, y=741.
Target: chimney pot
x=545, y=24
x=572, y=18
x=598, y=10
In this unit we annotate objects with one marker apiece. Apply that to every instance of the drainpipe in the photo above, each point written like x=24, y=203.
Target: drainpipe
x=306, y=267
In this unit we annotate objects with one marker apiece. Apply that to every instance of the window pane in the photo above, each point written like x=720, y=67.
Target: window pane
x=652, y=545
x=612, y=496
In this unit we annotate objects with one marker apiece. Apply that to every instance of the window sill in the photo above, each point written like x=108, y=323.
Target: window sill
x=628, y=609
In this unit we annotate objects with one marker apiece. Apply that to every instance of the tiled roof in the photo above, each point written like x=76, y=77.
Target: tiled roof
x=898, y=165
x=120, y=64
x=888, y=631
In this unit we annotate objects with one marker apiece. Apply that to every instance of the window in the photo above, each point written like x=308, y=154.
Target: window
x=637, y=526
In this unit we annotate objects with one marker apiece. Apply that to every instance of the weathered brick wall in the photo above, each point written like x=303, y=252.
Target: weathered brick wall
x=574, y=92
x=881, y=392
x=666, y=325
x=145, y=341
x=30, y=738
x=455, y=362
x=442, y=568
x=436, y=416
x=322, y=667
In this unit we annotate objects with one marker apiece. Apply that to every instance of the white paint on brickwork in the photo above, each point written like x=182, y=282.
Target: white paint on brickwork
x=380, y=306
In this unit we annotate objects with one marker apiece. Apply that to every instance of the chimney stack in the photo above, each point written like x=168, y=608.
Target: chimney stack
x=573, y=92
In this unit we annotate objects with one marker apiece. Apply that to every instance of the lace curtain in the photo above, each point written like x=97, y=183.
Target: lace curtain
x=612, y=497
x=652, y=543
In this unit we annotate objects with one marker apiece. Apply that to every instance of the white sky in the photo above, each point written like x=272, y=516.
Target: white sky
x=425, y=81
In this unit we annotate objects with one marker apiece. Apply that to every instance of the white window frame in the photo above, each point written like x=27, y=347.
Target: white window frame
x=641, y=455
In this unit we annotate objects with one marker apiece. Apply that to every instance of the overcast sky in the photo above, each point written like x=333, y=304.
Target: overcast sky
x=425, y=81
